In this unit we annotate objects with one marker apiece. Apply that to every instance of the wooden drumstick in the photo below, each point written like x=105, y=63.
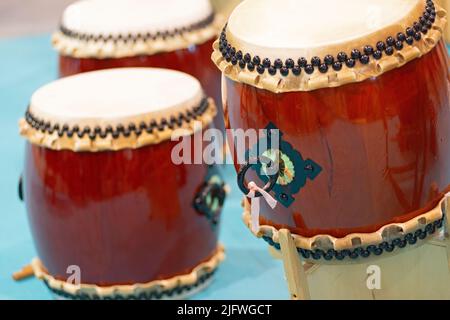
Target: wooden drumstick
x=24, y=273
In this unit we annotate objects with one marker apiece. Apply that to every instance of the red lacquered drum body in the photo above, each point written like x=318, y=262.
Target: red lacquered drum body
x=383, y=145
x=123, y=217
x=195, y=60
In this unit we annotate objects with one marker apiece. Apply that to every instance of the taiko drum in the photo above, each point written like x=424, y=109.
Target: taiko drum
x=363, y=115
x=103, y=194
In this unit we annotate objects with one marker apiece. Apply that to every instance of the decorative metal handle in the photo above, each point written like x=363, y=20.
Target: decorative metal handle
x=20, y=188
x=243, y=171
x=216, y=191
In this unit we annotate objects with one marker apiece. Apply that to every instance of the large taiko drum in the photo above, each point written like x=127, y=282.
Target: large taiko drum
x=174, y=34
x=359, y=97
x=106, y=202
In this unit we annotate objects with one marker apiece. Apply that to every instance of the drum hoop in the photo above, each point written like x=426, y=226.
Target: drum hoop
x=132, y=135
x=158, y=288
x=278, y=76
x=358, y=246
x=82, y=45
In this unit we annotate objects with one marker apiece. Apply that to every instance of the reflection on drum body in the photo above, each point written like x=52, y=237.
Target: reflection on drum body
x=363, y=116
x=174, y=34
x=103, y=194
x=383, y=148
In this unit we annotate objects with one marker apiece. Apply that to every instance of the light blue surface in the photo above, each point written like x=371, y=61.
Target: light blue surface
x=28, y=63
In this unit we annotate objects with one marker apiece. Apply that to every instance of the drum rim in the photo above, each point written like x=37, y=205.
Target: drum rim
x=389, y=234
x=105, y=46
x=281, y=77
x=132, y=135
x=157, y=288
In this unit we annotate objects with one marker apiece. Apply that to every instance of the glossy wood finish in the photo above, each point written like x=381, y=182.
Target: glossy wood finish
x=383, y=144
x=196, y=61
x=123, y=217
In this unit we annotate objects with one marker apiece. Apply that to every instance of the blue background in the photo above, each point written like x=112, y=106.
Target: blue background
x=249, y=272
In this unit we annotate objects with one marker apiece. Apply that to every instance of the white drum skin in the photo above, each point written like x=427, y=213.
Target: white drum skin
x=289, y=28
x=114, y=17
x=99, y=97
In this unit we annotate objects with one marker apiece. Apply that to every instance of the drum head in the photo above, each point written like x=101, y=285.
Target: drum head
x=123, y=17
x=284, y=46
x=118, y=96
x=286, y=28
x=125, y=28
x=115, y=109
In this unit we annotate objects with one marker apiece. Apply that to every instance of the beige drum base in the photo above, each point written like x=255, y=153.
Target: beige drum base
x=179, y=287
x=417, y=273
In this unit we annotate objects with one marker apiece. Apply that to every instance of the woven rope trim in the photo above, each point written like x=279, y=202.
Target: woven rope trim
x=110, y=47
x=355, y=240
x=110, y=143
x=130, y=290
x=305, y=82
